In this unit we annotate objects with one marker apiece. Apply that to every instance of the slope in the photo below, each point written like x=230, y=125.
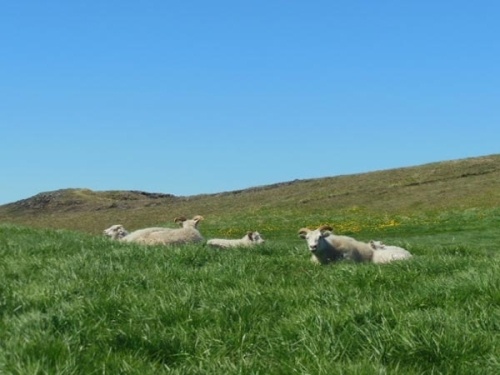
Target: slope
x=448, y=185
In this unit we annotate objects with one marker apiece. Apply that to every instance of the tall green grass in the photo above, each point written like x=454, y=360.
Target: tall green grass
x=72, y=303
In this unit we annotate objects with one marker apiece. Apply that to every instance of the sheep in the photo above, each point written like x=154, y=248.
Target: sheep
x=326, y=247
x=188, y=233
x=250, y=239
x=387, y=253
x=118, y=232
x=115, y=232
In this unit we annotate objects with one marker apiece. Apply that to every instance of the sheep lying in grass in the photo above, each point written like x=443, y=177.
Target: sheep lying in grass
x=118, y=232
x=387, y=253
x=250, y=239
x=188, y=233
x=327, y=247
x=169, y=236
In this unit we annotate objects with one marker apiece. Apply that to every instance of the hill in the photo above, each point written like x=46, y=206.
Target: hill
x=448, y=185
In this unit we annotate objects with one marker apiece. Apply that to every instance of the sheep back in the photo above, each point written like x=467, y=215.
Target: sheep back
x=142, y=235
x=250, y=239
x=349, y=248
x=390, y=254
x=174, y=237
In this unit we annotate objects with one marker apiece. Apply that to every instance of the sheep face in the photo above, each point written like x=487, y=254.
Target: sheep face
x=314, y=237
x=255, y=237
x=376, y=245
x=115, y=232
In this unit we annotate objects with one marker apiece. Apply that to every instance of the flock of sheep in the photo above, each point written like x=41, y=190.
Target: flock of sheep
x=187, y=233
x=324, y=246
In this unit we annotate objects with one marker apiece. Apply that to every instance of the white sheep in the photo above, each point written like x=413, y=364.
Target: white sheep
x=140, y=234
x=159, y=235
x=118, y=232
x=326, y=247
x=387, y=253
x=250, y=239
x=168, y=236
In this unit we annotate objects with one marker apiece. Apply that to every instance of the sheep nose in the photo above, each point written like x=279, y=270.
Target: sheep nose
x=312, y=248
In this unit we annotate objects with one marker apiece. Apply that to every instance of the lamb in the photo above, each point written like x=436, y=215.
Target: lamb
x=326, y=247
x=387, y=253
x=250, y=239
x=169, y=236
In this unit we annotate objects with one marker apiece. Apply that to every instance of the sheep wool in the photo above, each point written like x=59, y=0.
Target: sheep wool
x=250, y=239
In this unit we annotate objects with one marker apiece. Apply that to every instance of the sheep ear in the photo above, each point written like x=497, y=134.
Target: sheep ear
x=303, y=232
x=180, y=219
x=250, y=235
x=198, y=218
x=325, y=228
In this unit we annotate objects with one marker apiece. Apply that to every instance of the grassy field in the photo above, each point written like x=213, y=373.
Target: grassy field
x=72, y=302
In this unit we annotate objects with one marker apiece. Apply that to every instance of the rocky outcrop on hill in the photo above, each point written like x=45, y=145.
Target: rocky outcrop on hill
x=88, y=200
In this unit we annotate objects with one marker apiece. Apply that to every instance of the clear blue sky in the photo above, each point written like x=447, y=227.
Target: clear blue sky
x=191, y=97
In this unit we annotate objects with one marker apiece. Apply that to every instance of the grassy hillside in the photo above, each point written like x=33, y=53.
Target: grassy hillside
x=73, y=302
x=383, y=196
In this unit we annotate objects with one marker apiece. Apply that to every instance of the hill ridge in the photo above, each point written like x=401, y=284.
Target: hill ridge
x=452, y=184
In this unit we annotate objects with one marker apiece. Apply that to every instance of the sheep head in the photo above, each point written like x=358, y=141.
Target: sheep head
x=314, y=237
x=375, y=245
x=115, y=232
x=255, y=237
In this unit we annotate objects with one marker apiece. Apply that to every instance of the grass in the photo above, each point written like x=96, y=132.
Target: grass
x=72, y=302
x=76, y=303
